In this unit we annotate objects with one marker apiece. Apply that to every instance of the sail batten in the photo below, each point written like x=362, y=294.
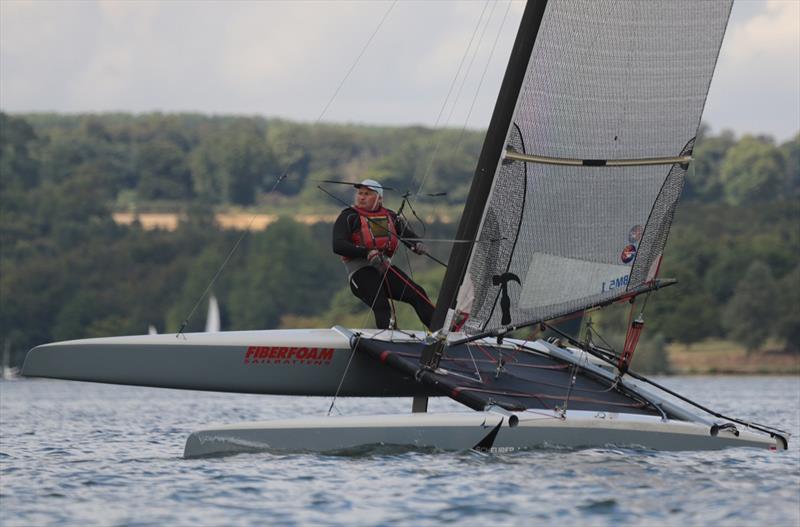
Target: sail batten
x=528, y=158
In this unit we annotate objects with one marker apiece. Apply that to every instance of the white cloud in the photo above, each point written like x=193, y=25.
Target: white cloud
x=756, y=87
x=284, y=58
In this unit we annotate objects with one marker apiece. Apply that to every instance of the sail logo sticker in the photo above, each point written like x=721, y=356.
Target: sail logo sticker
x=628, y=253
x=635, y=234
x=288, y=355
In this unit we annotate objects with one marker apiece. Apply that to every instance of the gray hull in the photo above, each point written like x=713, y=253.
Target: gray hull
x=314, y=362
x=463, y=431
x=278, y=362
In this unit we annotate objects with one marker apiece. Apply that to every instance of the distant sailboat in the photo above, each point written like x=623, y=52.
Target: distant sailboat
x=8, y=372
x=212, y=318
x=213, y=323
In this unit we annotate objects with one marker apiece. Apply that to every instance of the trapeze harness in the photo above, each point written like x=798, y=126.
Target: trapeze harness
x=377, y=231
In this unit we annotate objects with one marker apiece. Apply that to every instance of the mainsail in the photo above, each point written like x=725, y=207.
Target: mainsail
x=583, y=193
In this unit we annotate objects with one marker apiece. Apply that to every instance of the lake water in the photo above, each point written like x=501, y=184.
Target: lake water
x=91, y=454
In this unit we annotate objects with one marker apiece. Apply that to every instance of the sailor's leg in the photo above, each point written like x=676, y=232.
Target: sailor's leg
x=366, y=285
x=406, y=290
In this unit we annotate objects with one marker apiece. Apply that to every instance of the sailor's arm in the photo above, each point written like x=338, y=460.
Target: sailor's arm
x=342, y=230
x=405, y=231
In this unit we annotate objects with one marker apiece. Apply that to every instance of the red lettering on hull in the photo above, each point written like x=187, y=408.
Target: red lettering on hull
x=287, y=355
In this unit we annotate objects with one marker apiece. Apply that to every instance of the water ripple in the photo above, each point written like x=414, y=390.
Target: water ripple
x=83, y=454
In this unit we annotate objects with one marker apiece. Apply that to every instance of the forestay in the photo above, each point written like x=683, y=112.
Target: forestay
x=583, y=198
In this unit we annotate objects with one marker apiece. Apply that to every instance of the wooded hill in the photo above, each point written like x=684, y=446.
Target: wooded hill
x=68, y=271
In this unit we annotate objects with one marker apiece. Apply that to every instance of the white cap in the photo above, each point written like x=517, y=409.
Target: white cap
x=372, y=185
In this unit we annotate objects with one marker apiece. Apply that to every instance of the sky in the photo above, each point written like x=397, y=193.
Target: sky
x=287, y=59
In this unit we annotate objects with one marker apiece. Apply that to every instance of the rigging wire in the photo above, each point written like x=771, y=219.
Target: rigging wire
x=356, y=61
x=471, y=62
x=477, y=91
x=449, y=92
x=284, y=173
x=214, y=279
x=483, y=75
x=438, y=119
x=354, y=345
x=400, y=238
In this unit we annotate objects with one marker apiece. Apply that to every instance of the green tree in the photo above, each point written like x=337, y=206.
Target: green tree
x=18, y=171
x=749, y=316
x=787, y=322
x=791, y=155
x=65, y=151
x=753, y=172
x=163, y=171
x=685, y=316
x=290, y=147
x=229, y=166
x=703, y=181
x=651, y=354
x=19, y=175
x=286, y=272
x=76, y=315
x=198, y=274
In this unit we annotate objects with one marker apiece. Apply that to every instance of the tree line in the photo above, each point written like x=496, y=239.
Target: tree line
x=68, y=271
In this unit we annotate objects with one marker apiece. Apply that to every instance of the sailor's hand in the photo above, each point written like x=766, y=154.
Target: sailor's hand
x=378, y=260
x=420, y=248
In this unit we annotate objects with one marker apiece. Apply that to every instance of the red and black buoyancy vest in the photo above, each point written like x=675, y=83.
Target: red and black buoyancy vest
x=376, y=231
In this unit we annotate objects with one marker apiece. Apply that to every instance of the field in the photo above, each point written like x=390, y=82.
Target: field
x=720, y=356
x=236, y=220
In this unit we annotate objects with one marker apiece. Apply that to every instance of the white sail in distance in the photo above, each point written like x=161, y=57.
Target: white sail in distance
x=213, y=322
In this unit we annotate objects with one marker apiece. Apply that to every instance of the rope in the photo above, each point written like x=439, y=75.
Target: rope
x=417, y=291
x=370, y=220
x=405, y=253
x=572, y=377
x=483, y=76
x=213, y=280
x=355, y=62
x=540, y=396
x=447, y=98
x=477, y=370
x=355, y=346
x=358, y=336
x=283, y=174
x=472, y=59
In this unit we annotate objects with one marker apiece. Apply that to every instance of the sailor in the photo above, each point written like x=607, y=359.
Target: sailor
x=366, y=236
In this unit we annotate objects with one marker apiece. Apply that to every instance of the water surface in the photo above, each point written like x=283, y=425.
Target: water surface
x=91, y=454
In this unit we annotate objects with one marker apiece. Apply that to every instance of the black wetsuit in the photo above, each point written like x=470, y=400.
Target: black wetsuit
x=366, y=280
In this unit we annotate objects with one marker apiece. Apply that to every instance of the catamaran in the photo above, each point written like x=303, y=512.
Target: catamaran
x=569, y=209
